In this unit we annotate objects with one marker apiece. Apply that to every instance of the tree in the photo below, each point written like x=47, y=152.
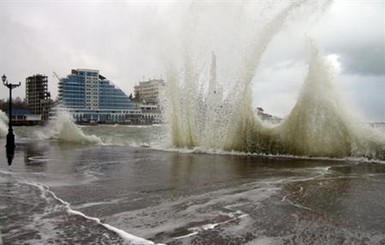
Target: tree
x=3, y=105
x=137, y=97
x=17, y=103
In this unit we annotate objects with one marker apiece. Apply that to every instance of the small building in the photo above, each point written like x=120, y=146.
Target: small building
x=151, y=114
x=24, y=117
x=266, y=117
x=105, y=116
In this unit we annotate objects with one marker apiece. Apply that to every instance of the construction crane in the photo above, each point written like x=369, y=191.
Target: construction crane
x=59, y=84
x=57, y=76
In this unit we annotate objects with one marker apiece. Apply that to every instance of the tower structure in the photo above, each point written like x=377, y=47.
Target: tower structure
x=37, y=95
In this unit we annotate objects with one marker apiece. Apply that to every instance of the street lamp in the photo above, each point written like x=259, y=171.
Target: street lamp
x=10, y=146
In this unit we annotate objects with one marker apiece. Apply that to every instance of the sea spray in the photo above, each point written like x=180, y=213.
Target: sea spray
x=3, y=124
x=228, y=123
x=318, y=125
x=211, y=122
x=315, y=126
x=246, y=132
x=63, y=129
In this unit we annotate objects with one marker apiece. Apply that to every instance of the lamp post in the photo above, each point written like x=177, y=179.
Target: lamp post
x=10, y=146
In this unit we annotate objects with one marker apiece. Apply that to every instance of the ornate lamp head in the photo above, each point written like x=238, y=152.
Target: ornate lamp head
x=4, y=79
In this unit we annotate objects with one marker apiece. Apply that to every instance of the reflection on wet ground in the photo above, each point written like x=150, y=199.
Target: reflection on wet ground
x=179, y=198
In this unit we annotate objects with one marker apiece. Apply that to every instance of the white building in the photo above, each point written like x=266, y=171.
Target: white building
x=148, y=92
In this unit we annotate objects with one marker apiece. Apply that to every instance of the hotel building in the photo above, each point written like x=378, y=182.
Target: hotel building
x=91, y=97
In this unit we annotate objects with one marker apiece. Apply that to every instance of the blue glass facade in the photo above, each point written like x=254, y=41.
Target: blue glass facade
x=72, y=91
x=111, y=97
x=92, y=97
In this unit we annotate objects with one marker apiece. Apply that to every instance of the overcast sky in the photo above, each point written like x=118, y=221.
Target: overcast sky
x=131, y=40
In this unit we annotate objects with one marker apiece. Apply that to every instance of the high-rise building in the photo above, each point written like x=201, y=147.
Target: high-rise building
x=148, y=92
x=91, y=97
x=37, y=95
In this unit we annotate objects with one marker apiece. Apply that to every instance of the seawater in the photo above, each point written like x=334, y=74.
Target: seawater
x=136, y=192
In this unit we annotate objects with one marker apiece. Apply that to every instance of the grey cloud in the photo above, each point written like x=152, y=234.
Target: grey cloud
x=364, y=59
x=355, y=30
x=365, y=95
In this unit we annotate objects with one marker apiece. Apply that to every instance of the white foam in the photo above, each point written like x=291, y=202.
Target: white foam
x=234, y=215
x=201, y=150
x=264, y=241
x=3, y=124
x=63, y=129
x=91, y=204
x=128, y=238
x=39, y=159
x=186, y=236
x=210, y=210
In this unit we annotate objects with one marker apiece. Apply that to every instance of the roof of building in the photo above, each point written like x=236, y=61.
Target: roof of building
x=20, y=112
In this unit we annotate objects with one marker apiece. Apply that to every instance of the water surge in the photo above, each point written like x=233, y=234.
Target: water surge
x=319, y=125
x=63, y=129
